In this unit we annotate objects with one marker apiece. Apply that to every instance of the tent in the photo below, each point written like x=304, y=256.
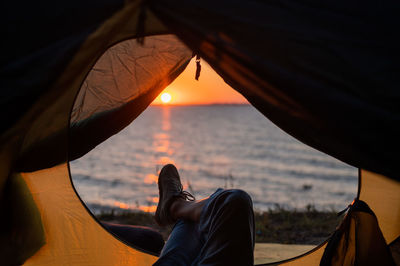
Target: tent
x=74, y=73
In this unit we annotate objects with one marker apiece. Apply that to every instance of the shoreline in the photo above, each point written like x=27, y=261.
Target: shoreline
x=280, y=226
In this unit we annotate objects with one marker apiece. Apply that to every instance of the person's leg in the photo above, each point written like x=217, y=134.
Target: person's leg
x=220, y=229
x=223, y=233
x=138, y=236
x=170, y=193
x=182, y=246
x=227, y=229
x=187, y=210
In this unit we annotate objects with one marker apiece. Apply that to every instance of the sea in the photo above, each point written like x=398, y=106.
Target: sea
x=213, y=146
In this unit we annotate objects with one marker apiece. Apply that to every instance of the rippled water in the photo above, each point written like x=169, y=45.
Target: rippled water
x=212, y=146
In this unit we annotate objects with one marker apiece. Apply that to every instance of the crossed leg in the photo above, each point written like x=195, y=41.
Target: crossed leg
x=218, y=230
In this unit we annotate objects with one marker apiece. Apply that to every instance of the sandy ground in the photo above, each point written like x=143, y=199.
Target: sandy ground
x=266, y=252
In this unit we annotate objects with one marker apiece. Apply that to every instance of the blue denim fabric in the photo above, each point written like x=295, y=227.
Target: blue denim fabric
x=223, y=235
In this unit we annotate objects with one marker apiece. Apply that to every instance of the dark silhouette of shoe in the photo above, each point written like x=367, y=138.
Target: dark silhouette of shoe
x=170, y=188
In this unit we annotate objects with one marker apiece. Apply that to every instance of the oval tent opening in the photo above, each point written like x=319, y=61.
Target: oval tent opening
x=325, y=74
x=296, y=190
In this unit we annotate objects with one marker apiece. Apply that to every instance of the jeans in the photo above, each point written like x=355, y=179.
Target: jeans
x=224, y=234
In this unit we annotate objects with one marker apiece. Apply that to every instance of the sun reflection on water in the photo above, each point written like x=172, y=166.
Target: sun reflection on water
x=210, y=152
x=122, y=205
x=166, y=124
x=148, y=208
x=151, y=179
x=162, y=150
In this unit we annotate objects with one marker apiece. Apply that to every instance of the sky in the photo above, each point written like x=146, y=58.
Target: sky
x=209, y=89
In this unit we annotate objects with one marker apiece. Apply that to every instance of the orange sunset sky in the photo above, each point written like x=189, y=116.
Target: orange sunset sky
x=209, y=89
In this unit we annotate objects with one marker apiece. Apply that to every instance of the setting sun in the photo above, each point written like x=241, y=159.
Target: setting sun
x=209, y=89
x=166, y=97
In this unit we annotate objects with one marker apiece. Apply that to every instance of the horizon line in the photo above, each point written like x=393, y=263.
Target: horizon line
x=196, y=104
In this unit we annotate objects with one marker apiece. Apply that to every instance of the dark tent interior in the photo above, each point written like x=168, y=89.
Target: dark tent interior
x=75, y=73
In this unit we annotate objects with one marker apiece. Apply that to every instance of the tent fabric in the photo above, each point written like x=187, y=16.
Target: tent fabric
x=36, y=53
x=312, y=257
x=122, y=83
x=378, y=224
x=383, y=196
x=22, y=226
x=325, y=72
x=357, y=237
x=73, y=236
x=127, y=70
x=28, y=69
x=126, y=79
x=395, y=249
x=36, y=136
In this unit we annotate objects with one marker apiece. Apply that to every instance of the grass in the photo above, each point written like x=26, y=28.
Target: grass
x=276, y=225
x=295, y=227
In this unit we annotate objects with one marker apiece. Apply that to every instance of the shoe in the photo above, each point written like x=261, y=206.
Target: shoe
x=170, y=188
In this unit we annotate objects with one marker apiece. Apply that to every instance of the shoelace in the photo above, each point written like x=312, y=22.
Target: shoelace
x=187, y=196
